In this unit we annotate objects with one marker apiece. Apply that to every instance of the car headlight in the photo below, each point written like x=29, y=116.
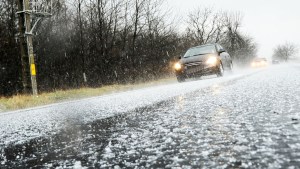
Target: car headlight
x=212, y=60
x=177, y=66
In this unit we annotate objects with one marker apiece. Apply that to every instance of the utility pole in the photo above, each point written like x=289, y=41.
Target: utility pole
x=26, y=11
x=28, y=34
x=23, y=47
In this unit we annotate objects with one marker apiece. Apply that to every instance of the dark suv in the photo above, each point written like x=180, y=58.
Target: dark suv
x=203, y=60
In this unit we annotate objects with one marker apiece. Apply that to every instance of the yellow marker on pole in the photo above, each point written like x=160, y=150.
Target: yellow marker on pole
x=33, y=70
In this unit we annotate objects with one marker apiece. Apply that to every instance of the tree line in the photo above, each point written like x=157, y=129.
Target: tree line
x=90, y=43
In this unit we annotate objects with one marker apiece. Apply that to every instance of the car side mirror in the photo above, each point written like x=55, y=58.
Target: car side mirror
x=221, y=51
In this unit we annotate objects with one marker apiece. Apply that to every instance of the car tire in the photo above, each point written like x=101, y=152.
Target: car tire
x=220, y=72
x=180, y=79
x=230, y=67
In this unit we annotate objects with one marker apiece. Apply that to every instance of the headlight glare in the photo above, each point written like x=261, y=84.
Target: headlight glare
x=212, y=60
x=177, y=66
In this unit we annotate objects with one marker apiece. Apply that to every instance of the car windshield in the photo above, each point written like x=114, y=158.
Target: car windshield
x=201, y=50
x=260, y=59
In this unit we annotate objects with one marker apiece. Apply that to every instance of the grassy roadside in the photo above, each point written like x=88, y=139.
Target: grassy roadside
x=26, y=101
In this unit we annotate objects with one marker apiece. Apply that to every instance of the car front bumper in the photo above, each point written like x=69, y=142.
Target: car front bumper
x=197, y=71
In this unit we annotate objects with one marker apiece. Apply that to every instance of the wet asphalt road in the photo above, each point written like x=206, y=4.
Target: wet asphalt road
x=252, y=121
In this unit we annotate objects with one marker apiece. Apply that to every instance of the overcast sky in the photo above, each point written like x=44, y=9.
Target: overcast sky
x=269, y=22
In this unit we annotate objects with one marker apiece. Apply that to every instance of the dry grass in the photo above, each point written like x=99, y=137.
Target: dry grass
x=27, y=101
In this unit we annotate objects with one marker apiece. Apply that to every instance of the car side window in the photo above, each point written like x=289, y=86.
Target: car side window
x=221, y=48
x=218, y=47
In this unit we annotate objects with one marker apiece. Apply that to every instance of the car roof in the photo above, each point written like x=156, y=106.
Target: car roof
x=258, y=59
x=209, y=44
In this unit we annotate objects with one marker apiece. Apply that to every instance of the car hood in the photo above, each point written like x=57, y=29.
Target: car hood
x=200, y=58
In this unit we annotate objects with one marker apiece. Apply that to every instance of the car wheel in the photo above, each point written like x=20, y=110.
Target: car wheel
x=230, y=67
x=220, y=71
x=180, y=79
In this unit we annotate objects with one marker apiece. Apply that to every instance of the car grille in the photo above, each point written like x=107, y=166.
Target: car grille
x=193, y=67
x=193, y=64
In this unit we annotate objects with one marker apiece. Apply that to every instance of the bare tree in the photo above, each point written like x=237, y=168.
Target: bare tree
x=233, y=38
x=139, y=6
x=205, y=26
x=81, y=39
x=285, y=51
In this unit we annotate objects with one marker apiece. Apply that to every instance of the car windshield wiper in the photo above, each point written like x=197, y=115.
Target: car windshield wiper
x=201, y=54
x=197, y=55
